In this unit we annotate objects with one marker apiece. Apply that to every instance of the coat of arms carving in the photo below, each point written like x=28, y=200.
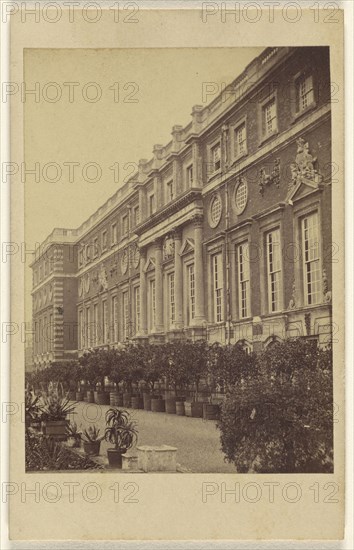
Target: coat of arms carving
x=168, y=248
x=102, y=278
x=304, y=165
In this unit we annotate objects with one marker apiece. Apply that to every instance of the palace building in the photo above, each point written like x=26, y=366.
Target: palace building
x=224, y=234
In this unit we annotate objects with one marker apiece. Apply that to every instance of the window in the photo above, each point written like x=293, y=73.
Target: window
x=269, y=118
x=81, y=330
x=125, y=224
x=243, y=280
x=171, y=292
x=190, y=175
x=125, y=312
x=137, y=308
x=152, y=305
x=215, y=211
x=87, y=327
x=104, y=321
x=169, y=191
x=241, y=196
x=95, y=247
x=216, y=157
x=274, y=270
x=191, y=293
x=81, y=257
x=305, y=95
x=51, y=333
x=151, y=204
x=136, y=213
x=114, y=319
x=104, y=240
x=95, y=325
x=240, y=140
x=114, y=234
x=311, y=259
x=218, y=287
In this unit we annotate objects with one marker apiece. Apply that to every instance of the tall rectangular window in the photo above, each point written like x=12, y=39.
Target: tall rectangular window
x=136, y=215
x=191, y=293
x=171, y=292
x=269, y=118
x=169, y=191
x=51, y=333
x=152, y=305
x=95, y=247
x=137, y=308
x=81, y=328
x=311, y=259
x=87, y=341
x=216, y=157
x=114, y=319
x=274, y=274
x=305, y=95
x=243, y=280
x=240, y=140
x=114, y=234
x=125, y=224
x=96, y=330
x=218, y=287
x=104, y=321
x=104, y=240
x=125, y=312
x=190, y=178
x=151, y=204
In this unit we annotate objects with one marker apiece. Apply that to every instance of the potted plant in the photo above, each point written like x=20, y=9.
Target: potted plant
x=54, y=410
x=122, y=433
x=92, y=440
x=74, y=435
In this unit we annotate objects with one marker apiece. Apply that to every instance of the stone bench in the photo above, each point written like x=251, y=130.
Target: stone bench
x=160, y=458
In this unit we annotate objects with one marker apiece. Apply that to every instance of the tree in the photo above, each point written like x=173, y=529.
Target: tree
x=278, y=418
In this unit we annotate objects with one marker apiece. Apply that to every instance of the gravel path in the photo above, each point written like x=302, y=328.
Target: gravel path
x=197, y=441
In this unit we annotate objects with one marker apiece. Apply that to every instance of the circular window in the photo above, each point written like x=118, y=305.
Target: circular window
x=215, y=211
x=241, y=196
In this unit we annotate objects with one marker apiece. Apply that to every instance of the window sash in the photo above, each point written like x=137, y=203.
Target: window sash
x=269, y=118
x=191, y=294
x=274, y=270
x=125, y=314
x=218, y=287
x=171, y=288
x=216, y=157
x=104, y=321
x=243, y=280
x=311, y=259
x=114, y=319
x=240, y=139
x=152, y=305
x=137, y=307
x=305, y=92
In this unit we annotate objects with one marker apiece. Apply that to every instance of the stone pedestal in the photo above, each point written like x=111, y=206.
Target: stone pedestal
x=157, y=458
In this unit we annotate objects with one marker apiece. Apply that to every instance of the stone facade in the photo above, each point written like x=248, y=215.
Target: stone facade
x=225, y=234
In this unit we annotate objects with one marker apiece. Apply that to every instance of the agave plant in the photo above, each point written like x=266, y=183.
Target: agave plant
x=55, y=407
x=91, y=434
x=121, y=430
x=32, y=408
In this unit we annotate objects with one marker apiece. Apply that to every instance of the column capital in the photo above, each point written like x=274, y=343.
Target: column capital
x=158, y=243
x=198, y=220
x=177, y=233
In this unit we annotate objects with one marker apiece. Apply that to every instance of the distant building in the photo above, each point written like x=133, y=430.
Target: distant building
x=225, y=234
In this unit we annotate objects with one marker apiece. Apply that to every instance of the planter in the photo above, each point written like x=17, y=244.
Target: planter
x=92, y=448
x=115, y=399
x=194, y=409
x=90, y=396
x=157, y=404
x=211, y=412
x=56, y=429
x=115, y=457
x=79, y=396
x=102, y=398
x=137, y=402
x=180, y=410
x=147, y=401
x=127, y=400
x=170, y=405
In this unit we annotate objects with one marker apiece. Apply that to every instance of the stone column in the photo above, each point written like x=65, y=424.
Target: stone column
x=159, y=327
x=198, y=271
x=143, y=297
x=177, y=234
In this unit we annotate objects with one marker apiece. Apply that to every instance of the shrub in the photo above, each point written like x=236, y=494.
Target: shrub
x=279, y=418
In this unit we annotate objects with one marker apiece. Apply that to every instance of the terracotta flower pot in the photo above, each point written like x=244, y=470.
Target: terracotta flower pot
x=157, y=404
x=194, y=409
x=147, y=401
x=211, y=412
x=79, y=396
x=170, y=405
x=102, y=398
x=90, y=396
x=180, y=410
x=137, y=402
x=56, y=429
x=127, y=397
x=115, y=399
x=115, y=457
x=92, y=448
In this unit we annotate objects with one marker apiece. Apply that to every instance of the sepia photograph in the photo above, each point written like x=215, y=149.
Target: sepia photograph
x=193, y=306
x=177, y=304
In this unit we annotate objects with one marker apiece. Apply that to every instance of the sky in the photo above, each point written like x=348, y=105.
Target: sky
x=96, y=112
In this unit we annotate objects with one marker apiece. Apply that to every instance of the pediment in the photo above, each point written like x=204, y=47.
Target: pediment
x=187, y=246
x=150, y=264
x=301, y=189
